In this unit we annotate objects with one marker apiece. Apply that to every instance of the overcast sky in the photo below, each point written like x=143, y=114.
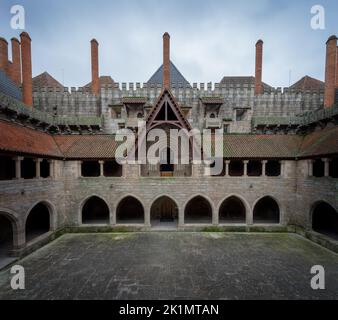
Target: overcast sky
x=209, y=39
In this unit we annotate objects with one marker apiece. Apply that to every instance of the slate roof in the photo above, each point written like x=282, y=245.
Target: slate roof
x=176, y=77
x=46, y=80
x=240, y=81
x=8, y=87
x=308, y=83
x=104, y=81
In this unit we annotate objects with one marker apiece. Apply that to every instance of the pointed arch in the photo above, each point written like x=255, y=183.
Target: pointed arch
x=95, y=210
x=324, y=219
x=198, y=210
x=130, y=210
x=266, y=211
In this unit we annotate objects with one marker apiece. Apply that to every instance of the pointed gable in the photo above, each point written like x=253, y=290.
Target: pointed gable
x=46, y=80
x=167, y=110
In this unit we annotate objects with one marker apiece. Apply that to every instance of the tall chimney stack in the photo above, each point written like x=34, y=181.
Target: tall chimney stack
x=4, y=55
x=27, y=84
x=16, y=58
x=95, y=67
x=166, y=60
x=330, y=72
x=259, y=68
x=337, y=69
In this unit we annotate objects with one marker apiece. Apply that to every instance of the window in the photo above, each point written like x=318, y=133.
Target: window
x=212, y=116
x=226, y=128
x=236, y=169
x=240, y=115
x=140, y=115
x=334, y=168
x=112, y=169
x=273, y=169
x=90, y=169
x=28, y=168
x=7, y=168
x=318, y=168
x=254, y=168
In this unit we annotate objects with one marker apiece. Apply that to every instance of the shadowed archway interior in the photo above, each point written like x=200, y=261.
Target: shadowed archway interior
x=6, y=236
x=325, y=220
x=130, y=210
x=95, y=211
x=266, y=211
x=38, y=222
x=164, y=209
x=198, y=210
x=232, y=210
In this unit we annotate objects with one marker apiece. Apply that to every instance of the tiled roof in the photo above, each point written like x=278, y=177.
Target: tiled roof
x=176, y=77
x=308, y=83
x=134, y=100
x=87, y=146
x=104, y=81
x=8, y=87
x=212, y=100
x=19, y=139
x=241, y=80
x=320, y=143
x=46, y=80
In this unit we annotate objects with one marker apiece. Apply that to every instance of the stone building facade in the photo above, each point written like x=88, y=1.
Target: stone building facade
x=58, y=166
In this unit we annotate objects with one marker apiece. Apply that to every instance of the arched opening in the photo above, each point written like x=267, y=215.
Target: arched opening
x=6, y=236
x=325, y=220
x=266, y=211
x=130, y=210
x=164, y=210
x=95, y=211
x=198, y=210
x=38, y=222
x=232, y=210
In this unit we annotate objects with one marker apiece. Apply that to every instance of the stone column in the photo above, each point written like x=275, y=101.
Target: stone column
x=37, y=168
x=147, y=222
x=80, y=169
x=51, y=169
x=310, y=168
x=101, y=168
x=18, y=167
x=227, y=164
x=264, y=162
x=327, y=167
x=245, y=168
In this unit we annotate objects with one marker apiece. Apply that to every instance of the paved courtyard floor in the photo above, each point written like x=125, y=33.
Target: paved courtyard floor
x=173, y=265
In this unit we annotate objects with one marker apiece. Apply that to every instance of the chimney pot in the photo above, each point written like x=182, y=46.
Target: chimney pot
x=166, y=60
x=27, y=85
x=95, y=67
x=259, y=68
x=330, y=72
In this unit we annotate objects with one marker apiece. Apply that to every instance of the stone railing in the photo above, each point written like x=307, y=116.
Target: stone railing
x=20, y=108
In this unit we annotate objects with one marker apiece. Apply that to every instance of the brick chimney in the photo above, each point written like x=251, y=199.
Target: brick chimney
x=259, y=67
x=4, y=55
x=95, y=67
x=27, y=86
x=16, y=59
x=330, y=72
x=337, y=69
x=166, y=60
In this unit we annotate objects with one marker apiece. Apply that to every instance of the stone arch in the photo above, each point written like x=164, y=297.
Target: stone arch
x=324, y=219
x=198, y=210
x=164, y=209
x=130, y=210
x=233, y=209
x=39, y=220
x=94, y=210
x=9, y=232
x=267, y=210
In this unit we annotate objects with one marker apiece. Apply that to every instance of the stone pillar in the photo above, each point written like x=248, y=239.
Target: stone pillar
x=37, y=168
x=181, y=217
x=95, y=67
x=327, y=167
x=19, y=239
x=80, y=169
x=51, y=169
x=245, y=168
x=16, y=58
x=310, y=168
x=259, y=68
x=147, y=222
x=18, y=167
x=330, y=72
x=166, y=60
x=27, y=84
x=101, y=168
x=227, y=165
x=264, y=162
x=215, y=217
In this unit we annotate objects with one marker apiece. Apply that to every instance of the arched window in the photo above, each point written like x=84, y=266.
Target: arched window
x=130, y=210
x=38, y=222
x=95, y=211
x=198, y=210
x=232, y=210
x=212, y=116
x=266, y=211
x=325, y=220
x=139, y=115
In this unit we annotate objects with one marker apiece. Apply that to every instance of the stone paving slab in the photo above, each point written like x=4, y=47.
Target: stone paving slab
x=174, y=265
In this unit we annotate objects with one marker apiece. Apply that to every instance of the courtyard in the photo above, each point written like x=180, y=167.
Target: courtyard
x=175, y=265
